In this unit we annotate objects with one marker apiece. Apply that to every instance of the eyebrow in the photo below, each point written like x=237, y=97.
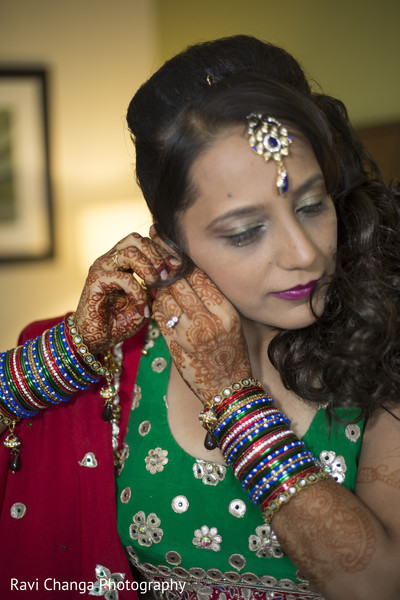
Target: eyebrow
x=256, y=208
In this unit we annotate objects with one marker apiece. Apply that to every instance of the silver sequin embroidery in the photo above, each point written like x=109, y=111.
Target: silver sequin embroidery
x=180, y=504
x=107, y=583
x=207, y=538
x=158, y=365
x=173, y=558
x=353, y=432
x=146, y=530
x=209, y=473
x=89, y=460
x=125, y=495
x=18, y=510
x=237, y=508
x=144, y=428
x=264, y=543
x=156, y=459
x=237, y=561
x=335, y=465
x=136, y=396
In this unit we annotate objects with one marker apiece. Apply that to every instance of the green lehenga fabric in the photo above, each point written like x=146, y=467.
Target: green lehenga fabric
x=188, y=518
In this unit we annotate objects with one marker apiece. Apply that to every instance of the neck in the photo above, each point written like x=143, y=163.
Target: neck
x=258, y=338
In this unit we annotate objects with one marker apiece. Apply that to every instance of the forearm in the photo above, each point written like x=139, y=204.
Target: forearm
x=339, y=544
x=327, y=531
x=44, y=371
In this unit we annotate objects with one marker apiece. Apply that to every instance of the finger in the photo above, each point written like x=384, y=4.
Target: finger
x=206, y=290
x=113, y=285
x=166, y=311
x=131, y=260
x=186, y=298
x=154, y=254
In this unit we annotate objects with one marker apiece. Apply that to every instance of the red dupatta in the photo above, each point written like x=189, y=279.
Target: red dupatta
x=58, y=513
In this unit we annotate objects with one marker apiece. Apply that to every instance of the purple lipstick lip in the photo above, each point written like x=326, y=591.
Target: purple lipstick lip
x=299, y=292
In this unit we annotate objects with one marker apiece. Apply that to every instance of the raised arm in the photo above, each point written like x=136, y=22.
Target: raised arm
x=53, y=367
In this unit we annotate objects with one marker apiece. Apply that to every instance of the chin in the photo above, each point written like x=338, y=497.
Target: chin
x=294, y=318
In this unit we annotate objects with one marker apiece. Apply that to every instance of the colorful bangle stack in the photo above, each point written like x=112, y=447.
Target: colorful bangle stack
x=44, y=371
x=256, y=440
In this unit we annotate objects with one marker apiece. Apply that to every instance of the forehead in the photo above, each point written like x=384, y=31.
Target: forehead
x=231, y=167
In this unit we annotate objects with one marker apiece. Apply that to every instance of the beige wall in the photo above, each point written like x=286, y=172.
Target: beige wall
x=98, y=52
x=351, y=47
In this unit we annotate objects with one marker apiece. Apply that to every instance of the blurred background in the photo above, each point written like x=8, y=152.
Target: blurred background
x=97, y=53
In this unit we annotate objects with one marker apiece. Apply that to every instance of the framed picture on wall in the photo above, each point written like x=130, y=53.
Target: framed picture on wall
x=26, y=223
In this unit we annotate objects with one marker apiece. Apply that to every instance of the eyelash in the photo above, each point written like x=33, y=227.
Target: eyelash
x=245, y=237
x=311, y=209
x=251, y=235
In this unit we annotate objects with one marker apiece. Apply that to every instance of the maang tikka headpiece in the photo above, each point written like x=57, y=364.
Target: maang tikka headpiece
x=268, y=138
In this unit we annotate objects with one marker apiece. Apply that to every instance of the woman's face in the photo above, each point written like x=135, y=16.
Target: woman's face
x=264, y=251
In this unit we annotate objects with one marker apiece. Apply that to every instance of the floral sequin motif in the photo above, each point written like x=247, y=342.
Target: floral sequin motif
x=146, y=530
x=156, y=459
x=237, y=508
x=136, y=397
x=107, y=583
x=144, y=428
x=180, y=504
x=207, y=538
x=158, y=365
x=125, y=495
x=264, y=543
x=209, y=473
x=18, y=510
x=89, y=460
x=335, y=465
x=352, y=432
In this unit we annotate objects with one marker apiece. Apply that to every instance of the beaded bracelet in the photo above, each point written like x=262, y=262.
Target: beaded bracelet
x=256, y=440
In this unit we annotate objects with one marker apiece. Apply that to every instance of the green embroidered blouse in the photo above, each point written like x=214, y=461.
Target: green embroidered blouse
x=180, y=517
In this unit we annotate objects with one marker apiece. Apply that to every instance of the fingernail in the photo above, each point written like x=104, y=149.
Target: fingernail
x=146, y=311
x=173, y=262
x=164, y=274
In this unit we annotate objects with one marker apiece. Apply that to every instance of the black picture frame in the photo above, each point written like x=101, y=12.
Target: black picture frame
x=26, y=210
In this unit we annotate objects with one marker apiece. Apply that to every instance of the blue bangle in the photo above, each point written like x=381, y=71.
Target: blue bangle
x=238, y=412
x=268, y=458
x=8, y=398
x=229, y=456
x=255, y=493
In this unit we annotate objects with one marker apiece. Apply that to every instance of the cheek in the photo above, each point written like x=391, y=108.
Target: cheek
x=327, y=238
x=237, y=283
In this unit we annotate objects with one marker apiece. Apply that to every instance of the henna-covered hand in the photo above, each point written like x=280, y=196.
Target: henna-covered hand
x=113, y=304
x=207, y=345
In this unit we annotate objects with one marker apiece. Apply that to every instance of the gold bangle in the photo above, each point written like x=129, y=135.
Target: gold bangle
x=283, y=497
x=227, y=391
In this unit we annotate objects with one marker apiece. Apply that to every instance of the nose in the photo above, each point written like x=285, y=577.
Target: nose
x=295, y=249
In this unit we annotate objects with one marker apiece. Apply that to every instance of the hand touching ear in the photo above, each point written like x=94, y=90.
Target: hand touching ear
x=207, y=342
x=114, y=304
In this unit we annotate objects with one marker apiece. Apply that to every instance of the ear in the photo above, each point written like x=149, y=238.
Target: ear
x=171, y=249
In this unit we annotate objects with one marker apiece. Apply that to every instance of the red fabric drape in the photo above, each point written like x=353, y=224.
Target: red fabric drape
x=70, y=522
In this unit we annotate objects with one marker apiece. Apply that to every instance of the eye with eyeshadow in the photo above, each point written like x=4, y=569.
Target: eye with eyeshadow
x=246, y=235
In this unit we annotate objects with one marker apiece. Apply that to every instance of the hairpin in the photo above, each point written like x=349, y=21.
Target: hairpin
x=268, y=138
